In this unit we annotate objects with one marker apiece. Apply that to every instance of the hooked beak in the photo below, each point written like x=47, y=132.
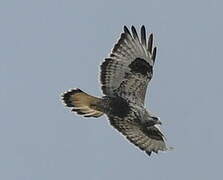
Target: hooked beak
x=157, y=120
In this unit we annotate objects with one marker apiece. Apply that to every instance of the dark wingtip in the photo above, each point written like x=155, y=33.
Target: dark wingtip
x=148, y=152
x=143, y=35
x=126, y=30
x=150, y=43
x=154, y=54
x=134, y=33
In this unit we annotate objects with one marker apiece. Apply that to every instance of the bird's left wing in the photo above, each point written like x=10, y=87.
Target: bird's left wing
x=129, y=68
x=149, y=139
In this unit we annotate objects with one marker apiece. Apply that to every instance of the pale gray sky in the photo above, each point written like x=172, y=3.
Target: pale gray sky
x=49, y=46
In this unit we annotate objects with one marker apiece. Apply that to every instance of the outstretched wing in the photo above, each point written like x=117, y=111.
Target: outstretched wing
x=149, y=139
x=129, y=68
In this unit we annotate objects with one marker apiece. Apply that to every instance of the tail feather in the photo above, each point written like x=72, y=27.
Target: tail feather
x=82, y=103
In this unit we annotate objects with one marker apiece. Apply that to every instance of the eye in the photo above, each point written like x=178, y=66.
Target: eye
x=155, y=118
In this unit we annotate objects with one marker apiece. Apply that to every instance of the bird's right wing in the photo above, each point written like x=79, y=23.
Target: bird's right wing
x=148, y=139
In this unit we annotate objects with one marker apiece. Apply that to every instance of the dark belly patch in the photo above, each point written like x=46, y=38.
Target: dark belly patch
x=139, y=65
x=119, y=107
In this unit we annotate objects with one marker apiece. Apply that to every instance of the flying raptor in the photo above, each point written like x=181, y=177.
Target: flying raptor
x=124, y=77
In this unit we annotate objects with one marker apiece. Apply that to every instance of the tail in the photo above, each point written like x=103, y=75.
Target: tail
x=82, y=103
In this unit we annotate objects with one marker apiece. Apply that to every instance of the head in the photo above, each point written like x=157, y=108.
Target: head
x=151, y=120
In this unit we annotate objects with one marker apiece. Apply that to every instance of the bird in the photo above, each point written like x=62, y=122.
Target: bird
x=124, y=77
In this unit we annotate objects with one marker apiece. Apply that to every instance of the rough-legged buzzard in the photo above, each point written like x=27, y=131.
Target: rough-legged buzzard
x=125, y=75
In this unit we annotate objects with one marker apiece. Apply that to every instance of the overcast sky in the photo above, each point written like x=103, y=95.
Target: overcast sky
x=50, y=46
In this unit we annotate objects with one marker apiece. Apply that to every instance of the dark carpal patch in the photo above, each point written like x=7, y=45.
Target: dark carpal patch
x=139, y=65
x=119, y=107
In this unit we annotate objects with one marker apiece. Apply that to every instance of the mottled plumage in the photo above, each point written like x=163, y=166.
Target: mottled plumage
x=125, y=75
